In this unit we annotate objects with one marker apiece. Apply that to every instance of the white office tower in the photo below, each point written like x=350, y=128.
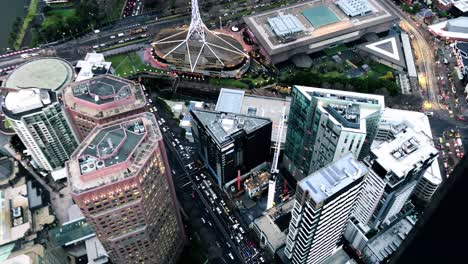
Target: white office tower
x=323, y=205
x=398, y=165
x=395, y=120
x=325, y=124
x=37, y=118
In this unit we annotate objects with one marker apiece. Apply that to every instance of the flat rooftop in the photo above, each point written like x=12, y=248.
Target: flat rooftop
x=333, y=178
x=418, y=122
x=368, y=103
x=27, y=101
x=103, y=96
x=222, y=126
x=455, y=29
x=268, y=224
x=400, y=155
x=387, y=242
x=321, y=20
x=113, y=151
x=44, y=73
x=235, y=101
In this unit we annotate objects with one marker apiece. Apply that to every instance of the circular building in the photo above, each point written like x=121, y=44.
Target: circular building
x=45, y=73
x=205, y=52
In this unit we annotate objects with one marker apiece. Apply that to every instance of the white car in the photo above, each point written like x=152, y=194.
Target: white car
x=231, y=256
x=112, y=37
x=149, y=100
x=203, y=220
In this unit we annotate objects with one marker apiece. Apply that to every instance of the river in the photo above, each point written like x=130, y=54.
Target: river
x=9, y=10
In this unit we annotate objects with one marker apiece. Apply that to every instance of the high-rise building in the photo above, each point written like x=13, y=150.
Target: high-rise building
x=325, y=124
x=120, y=179
x=398, y=165
x=100, y=100
x=230, y=142
x=323, y=205
x=37, y=118
x=395, y=120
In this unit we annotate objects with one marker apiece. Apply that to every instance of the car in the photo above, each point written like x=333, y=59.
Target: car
x=196, y=178
x=209, y=223
x=231, y=256
x=429, y=113
x=241, y=230
x=203, y=220
x=121, y=41
x=203, y=176
x=155, y=109
x=149, y=100
x=164, y=129
x=262, y=260
x=177, y=141
x=173, y=143
x=112, y=37
x=162, y=120
x=159, y=122
x=181, y=147
x=227, y=244
x=151, y=110
x=120, y=34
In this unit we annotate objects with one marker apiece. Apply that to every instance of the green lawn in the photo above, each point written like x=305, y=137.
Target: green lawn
x=228, y=83
x=7, y=123
x=65, y=13
x=29, y=17
x=334, y=50
x=128, y=64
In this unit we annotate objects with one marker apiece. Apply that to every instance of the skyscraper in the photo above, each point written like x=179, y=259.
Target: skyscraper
x=323, y=205
x=398, y=165
x=100, y=100
x=324, y=124
x=120, y=178
x=37, y=118
x=230, y=142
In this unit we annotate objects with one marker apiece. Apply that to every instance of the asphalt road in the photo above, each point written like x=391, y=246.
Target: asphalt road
x=219, y=227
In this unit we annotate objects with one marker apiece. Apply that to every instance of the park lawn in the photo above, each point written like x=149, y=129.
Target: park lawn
x=121, y=64
x=65, y=13
x=29, y=17
x=333, y=74
x=128, y=64
x=228, y=83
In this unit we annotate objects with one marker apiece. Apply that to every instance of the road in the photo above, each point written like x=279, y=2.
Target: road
x=215, y=213
x=424, y=54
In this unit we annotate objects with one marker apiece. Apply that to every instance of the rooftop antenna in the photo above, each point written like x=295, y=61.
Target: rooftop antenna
x=198, y=31
x=274, y=165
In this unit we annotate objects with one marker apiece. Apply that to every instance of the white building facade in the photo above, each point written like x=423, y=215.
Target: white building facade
x=323, y=205
x=37, y=118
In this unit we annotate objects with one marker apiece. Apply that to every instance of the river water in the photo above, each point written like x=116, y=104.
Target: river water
x=9, y=10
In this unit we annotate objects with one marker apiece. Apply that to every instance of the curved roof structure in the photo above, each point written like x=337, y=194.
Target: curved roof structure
x=198, y=47
x=44, y=73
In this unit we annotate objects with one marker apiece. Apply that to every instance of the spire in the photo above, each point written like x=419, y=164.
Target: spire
x=197, y=27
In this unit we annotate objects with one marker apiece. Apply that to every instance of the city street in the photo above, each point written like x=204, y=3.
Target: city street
x=221, y=229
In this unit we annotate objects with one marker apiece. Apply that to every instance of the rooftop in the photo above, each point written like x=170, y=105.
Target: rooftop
x=347, y=108
x=222, y=126
x=321, y=21
x=283, y=25
x=93, y=63
x=6, y=167
x=71, y=232
x=456, y=28
x=45, y=73
x=113, y=152
x=389, y=49
x=418, y=122
x=103, y=96
x=333, y=178
x=26, y=100
x=15, y=218
x=388, y=241
x=408, y=148
x=276, y=235
x=229, y=100
x=255, y=106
